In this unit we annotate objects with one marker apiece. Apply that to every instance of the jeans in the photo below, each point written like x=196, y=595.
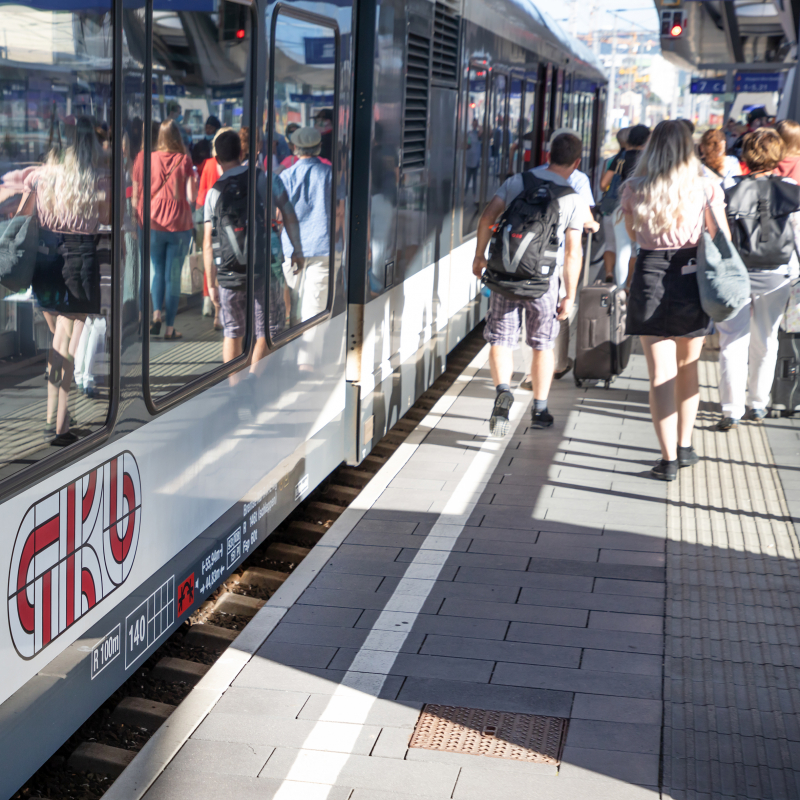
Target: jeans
x=472, y=175
x=168, y=250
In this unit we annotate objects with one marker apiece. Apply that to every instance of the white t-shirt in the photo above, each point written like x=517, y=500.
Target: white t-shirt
x=580, y=182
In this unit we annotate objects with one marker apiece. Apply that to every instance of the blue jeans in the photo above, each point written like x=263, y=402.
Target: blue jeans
x=168, y=250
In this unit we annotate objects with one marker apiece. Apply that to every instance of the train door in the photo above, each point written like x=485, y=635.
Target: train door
x=515, y=122
x=530, y=126
x=545, y=111
x=558, y=100
x=495, y=166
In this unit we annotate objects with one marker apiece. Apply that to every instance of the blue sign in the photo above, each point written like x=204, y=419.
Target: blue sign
x=314, y=99
x=708, y=86
x=757, y=82
x=320, y=51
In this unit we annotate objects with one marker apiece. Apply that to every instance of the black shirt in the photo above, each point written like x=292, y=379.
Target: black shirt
x=629, y=158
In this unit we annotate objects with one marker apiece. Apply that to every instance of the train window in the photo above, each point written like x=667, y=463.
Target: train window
x=497, y=167
x=199, y=145
x=56, y=199
x=475, y=121
x=515, y=124
x=305, y=55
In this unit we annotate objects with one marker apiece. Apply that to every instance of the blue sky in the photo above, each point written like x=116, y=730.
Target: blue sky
x=635, y=12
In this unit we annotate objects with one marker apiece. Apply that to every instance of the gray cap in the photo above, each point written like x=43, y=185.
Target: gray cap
x=307, y=137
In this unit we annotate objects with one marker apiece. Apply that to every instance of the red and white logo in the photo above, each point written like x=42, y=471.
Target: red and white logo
x=73, y=549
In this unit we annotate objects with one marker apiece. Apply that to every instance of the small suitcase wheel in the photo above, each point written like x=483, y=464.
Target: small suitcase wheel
x=607, y=384
x=578, y=382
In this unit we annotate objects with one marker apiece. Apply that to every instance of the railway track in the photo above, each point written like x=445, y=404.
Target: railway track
x=87, y=764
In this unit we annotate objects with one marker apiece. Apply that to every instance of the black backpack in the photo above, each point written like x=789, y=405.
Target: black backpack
x=758, y=212
x=524, y=248
x=229, y=229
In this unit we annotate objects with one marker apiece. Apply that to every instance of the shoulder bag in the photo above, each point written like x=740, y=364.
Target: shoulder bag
x=19, y=246
x=722, y=277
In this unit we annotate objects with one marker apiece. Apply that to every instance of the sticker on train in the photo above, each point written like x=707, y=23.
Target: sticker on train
x=72, y=550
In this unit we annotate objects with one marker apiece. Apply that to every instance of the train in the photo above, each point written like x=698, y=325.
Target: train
x=168, y=455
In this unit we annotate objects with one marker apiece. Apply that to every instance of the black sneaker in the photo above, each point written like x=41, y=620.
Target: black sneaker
x=756, y=414
x=687, y=457
x=665, y=470
x=498, y=422
x=726, y=424
x=64, y=439
x=541, y=419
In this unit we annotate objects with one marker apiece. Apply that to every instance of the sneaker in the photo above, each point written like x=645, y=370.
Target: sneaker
x=498, y=422
x=756, y=414
x=687, y=456
x=541, y=419
x=526, y=384
x=208, y=307
x=726, y=424
x=665, y=470
x=64, y=439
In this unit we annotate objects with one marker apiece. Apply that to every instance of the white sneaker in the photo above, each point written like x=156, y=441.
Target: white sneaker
x=208, y=307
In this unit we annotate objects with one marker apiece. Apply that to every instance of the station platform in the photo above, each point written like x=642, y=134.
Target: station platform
x=654, y=626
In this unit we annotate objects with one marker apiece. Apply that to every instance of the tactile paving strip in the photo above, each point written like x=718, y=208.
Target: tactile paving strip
x=497, y=734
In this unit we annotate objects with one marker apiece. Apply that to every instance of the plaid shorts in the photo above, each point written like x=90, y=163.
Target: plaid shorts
x=504, y=320
x=233, y=311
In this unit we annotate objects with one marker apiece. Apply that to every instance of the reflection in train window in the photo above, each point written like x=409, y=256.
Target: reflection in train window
x=497, y=167
x=529, y=126
x=198, y=194
x=55, y=204
x=305, y=55
x=474, y=146
x=515, y=100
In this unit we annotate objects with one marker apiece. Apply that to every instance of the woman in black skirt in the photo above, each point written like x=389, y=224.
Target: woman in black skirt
x=665, y=203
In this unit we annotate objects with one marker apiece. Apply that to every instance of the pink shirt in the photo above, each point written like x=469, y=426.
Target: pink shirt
x=789, y=168
x=62, y=219
x=169, y=208
x=687, y=233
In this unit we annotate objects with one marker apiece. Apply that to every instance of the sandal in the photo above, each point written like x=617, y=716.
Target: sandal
x=155, y=328
x=173, y=335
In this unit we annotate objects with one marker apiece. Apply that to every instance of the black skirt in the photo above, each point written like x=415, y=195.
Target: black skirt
x=664, y=298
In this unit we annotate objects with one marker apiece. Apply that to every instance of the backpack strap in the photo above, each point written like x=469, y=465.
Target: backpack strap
x=763, y=209
x=529, y=180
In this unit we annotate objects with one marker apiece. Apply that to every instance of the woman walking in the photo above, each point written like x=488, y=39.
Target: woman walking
x=173, y=190
x=665, y=203
x=749, y=341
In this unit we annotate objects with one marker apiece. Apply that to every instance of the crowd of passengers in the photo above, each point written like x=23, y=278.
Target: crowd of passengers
x=198, y=194
x=662, y=190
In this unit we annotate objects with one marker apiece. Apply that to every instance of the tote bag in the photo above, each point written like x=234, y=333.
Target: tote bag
x=721, y=274
x=19, y=246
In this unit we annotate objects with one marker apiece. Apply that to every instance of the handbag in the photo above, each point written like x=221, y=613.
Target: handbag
x=722, y=277
x=791, y=319
x=192, y=272
x=19, y=246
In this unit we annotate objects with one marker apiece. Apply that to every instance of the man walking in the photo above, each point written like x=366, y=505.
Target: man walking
x=543, y=314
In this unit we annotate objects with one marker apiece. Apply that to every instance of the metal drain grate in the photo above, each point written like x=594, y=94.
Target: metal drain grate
x=497, y=734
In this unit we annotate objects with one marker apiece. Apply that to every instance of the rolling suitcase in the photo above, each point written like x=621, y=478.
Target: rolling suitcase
x=785, y=398
x=602, y=348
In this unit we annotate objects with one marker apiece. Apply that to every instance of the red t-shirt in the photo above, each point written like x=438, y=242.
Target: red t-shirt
x=208, y=178
x=169, y=208
x=789, y=168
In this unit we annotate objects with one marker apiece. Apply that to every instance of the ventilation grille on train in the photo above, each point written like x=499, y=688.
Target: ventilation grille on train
x=415, y=124
x=444, y=69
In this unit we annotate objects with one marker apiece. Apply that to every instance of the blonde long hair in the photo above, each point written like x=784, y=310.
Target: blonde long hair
x=667, y=181
x=67, y=186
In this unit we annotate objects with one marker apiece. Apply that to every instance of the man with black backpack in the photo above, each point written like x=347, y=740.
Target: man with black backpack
x=762, y=210
x=541, y=212
x=225, y=216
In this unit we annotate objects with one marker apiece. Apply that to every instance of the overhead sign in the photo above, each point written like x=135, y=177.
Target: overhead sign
x=708, y=86
x=320, y=50
x=757, y=82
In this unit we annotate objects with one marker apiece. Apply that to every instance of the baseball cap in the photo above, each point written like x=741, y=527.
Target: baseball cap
x=306, y=137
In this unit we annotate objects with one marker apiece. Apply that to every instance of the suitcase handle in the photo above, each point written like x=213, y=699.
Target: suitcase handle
x=587, y=257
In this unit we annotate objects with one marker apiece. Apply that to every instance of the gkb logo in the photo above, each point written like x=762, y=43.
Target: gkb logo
x=73, y=549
